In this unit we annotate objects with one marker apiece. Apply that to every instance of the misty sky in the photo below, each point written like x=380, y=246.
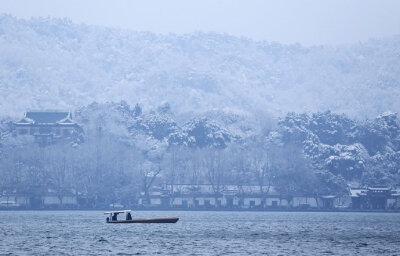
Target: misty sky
x=308, y=22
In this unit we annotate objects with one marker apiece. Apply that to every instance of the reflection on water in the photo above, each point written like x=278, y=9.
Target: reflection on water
x=201, y=233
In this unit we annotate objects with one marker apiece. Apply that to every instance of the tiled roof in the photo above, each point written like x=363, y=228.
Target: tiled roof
x=47, y=117
x=355, y=192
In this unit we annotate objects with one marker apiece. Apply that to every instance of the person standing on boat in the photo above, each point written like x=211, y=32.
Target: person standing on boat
x=114, y=216
x=128, y=216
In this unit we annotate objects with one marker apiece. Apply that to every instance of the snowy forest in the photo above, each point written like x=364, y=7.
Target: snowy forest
x=124, y=151
x=54, y=63
x=199, y=108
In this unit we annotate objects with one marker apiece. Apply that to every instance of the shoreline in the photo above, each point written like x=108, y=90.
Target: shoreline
x=209, y=210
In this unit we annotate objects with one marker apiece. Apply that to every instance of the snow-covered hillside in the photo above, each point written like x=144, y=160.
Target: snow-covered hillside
x=369, y=150
x=54, y=63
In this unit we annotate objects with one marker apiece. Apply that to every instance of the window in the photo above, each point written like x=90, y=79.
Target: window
x=44, y=130
x=23, y=131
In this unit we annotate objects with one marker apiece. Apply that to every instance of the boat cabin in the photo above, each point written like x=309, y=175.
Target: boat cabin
x=113, y=215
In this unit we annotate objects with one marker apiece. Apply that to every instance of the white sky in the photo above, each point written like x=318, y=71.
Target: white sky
x=308, y=22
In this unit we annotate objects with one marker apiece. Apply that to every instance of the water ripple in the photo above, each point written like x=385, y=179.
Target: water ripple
x=201, y=233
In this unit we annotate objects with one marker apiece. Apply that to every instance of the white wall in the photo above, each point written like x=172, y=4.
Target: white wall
x=298, y=201
x=54, y=200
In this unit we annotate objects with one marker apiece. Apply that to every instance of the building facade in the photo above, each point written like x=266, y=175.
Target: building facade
x=185, y=196
x=374, y=198
x=45, y=201
x=47, y=126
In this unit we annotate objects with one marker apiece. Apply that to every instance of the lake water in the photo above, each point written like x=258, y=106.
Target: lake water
x=201, y=233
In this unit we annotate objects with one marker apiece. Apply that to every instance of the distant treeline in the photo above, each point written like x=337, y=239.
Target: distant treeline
x=126, y=152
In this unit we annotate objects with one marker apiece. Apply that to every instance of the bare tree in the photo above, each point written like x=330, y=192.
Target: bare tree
x=214, y=166
x=261, y=157
x=296, y=175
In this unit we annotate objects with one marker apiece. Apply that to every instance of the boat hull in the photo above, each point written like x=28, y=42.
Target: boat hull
x=151, y=220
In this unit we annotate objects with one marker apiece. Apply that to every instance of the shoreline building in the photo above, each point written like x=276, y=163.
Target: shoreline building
x=204, y=196
x=47, y=126
x=375, y=198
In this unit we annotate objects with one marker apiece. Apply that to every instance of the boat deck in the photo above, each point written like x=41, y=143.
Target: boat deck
x=152, y=220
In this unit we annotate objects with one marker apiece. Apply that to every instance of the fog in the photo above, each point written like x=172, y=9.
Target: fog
x=310, y=22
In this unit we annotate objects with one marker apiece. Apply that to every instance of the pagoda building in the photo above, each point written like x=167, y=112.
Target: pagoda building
x=47, y=126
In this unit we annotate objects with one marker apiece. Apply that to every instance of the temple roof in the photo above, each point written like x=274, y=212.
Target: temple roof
x=47, y=117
